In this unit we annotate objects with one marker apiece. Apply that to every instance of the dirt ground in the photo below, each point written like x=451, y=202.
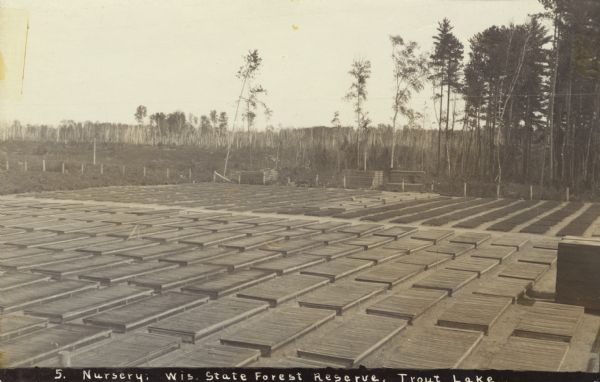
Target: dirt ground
x=180, y=160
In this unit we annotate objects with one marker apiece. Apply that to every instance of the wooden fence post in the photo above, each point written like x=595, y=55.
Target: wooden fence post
x=167, y=173
x=317, y=180
x=94, y=158
x=101, y=168
x=62, y=169
x=530, y=192
x=465, y=189
x=214, y=176
x=432, y=186
x=498, y=191
x=82, y=168
x=65, y=358
x=344, y=181
x=190, y=174
x=402, y=184
x=43, y=165
x=568, y=194
x=144, y=171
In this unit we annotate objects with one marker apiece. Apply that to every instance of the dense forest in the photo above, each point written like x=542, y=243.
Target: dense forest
x=514, y=103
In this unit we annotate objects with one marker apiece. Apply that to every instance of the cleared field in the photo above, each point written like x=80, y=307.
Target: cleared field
x=180, y=270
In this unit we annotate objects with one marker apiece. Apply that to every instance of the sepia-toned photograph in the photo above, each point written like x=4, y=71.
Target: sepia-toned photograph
x=299, y=184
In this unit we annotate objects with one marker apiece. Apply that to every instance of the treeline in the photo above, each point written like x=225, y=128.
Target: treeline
x=523, y=105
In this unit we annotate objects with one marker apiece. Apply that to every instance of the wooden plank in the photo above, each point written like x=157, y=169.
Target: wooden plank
x=433, y=235
x=124, y=272
x=132, y=350
x=155, y=252
x=474, y=312
x=209, y=356
x=282, y=289
x=88, y=302
x=245, y=259
x=295, y=223
x=290, y=247
x=4, y=232
x=19, y=298
x=333, y=251
x=362, y=229
x=352, y=341
x=139, y=232
x=231, y=219
x=289, y=363
x=110, y=230
x=497, y=253
x=42, y=241
x=390, y=274
x=31, y=348
x=368, y=242
x=222, y=285
x=252, y=242
x=396, y=232
x=473, y=264
x=332, y=237
x=549, y=244
x=116, y=247
x=277, y=328
x=337, y=269
x=328, y=226
x=208, y=318
x=473, y=238
x=24, y=237
x=76, y=244
x=174, y=235
x=196, y=215
x=409, y=245
x=426, y=259
x=265, y=221
x=540, y=256
x=378, y=255
x=550, y=321
x=195, y=256
x=140, y=313
x=285, y=265
x=47, y=259
x=449, y=280
x=77, y=226
x=8, y=252
x=177, y=277
x=529, y=354
x=433, y=348
x=340, y=296
x=295, y=233
x=226, y=227
x=65, y=269
x=504, y=287
x=525, y=271
x=407, y=304
x=452, y=249
x=12, y=280
x=13, y=326
x=513, y=241
x=260, y=230
x=212, y=238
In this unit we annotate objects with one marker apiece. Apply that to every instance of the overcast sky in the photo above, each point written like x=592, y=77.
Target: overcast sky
x=98, y=60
